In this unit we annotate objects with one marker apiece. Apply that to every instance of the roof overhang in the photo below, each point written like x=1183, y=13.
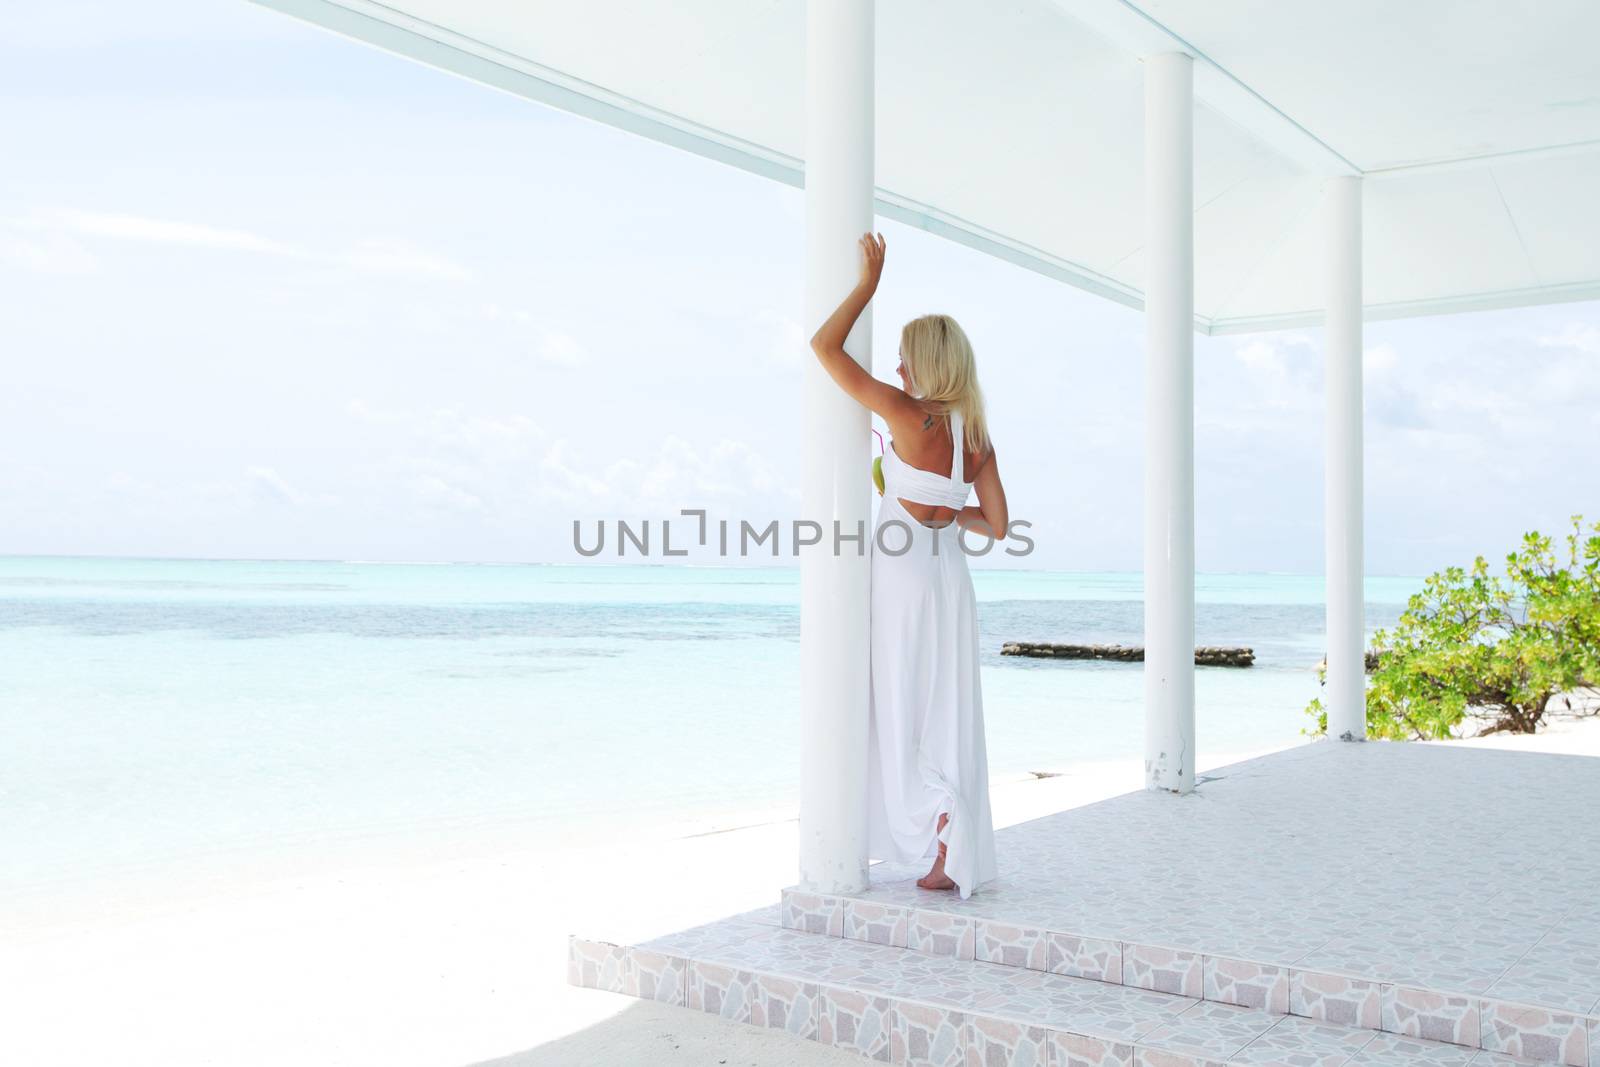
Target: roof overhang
x=1016, y=131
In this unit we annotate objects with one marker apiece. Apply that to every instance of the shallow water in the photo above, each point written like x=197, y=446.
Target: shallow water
x=156, y=712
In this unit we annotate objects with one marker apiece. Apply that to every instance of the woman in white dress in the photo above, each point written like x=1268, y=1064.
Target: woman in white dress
x=928, y=776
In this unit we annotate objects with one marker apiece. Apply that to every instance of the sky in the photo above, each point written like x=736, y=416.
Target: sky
x=269, y=293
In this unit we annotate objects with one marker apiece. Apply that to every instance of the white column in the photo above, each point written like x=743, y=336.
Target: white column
x=1347, y=679
x=836, y=464
x=1169, y=422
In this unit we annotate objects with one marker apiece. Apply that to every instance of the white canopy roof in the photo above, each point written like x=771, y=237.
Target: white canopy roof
x=1016, y=127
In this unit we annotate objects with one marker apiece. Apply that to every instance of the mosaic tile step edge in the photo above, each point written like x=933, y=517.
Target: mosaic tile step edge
x=1542, y=1032
x=898, y=1006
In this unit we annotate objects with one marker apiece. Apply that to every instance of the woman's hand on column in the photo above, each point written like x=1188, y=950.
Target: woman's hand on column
x=872, y=250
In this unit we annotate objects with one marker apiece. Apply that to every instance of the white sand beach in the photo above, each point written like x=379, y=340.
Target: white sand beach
x=444, y=963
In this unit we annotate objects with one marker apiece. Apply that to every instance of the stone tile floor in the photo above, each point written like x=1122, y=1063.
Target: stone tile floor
x=1334, y=904
x=1464, y=870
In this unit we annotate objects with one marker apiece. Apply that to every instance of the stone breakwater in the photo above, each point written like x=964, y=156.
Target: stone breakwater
x=1204, y=656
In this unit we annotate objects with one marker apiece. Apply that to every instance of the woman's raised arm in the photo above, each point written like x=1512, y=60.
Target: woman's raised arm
x=828, y=341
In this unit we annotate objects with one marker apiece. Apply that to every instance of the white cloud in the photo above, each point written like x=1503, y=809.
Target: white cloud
x=677, y=474
x=493, y=312
x=171, y=232
x=267, y=485
x=1582, y=336
x=1282, y=369
x=380, y=257
x=1398, y=396
x=788, y=340
x=449, y=459
x=550, y=346
x=738, y=468
x=45, y=253
x=400, y=257
x=1259, y=355
x=681, y=475
x=485, y=438
x=362, y=411
x=1379, y=359
x=435, y=492
x=561, y=478
x=1388, y=397
x=561, y=350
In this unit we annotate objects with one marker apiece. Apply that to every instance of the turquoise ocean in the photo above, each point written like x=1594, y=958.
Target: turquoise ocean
x=167, y=715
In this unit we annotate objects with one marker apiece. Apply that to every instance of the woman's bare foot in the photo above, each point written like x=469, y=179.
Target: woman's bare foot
x=936, y=878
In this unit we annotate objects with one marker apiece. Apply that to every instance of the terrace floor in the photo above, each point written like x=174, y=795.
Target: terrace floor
x=1337, y=897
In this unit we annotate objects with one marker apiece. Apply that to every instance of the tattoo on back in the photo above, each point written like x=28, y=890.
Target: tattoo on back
x=927, y=421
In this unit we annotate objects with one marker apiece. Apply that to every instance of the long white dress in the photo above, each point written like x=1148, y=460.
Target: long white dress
x=926, y=750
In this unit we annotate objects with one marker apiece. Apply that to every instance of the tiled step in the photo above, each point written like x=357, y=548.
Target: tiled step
x=897, y=1005
x=896, y=914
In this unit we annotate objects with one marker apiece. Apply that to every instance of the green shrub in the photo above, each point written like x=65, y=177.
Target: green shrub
x=1500, y=645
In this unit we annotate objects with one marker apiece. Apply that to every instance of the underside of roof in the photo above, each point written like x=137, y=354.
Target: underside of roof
x=1016, y=127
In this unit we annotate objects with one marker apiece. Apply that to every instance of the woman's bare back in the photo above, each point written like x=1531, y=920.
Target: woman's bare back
x=927, y=446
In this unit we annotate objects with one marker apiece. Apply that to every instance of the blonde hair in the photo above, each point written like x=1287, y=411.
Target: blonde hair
x=942, y=370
